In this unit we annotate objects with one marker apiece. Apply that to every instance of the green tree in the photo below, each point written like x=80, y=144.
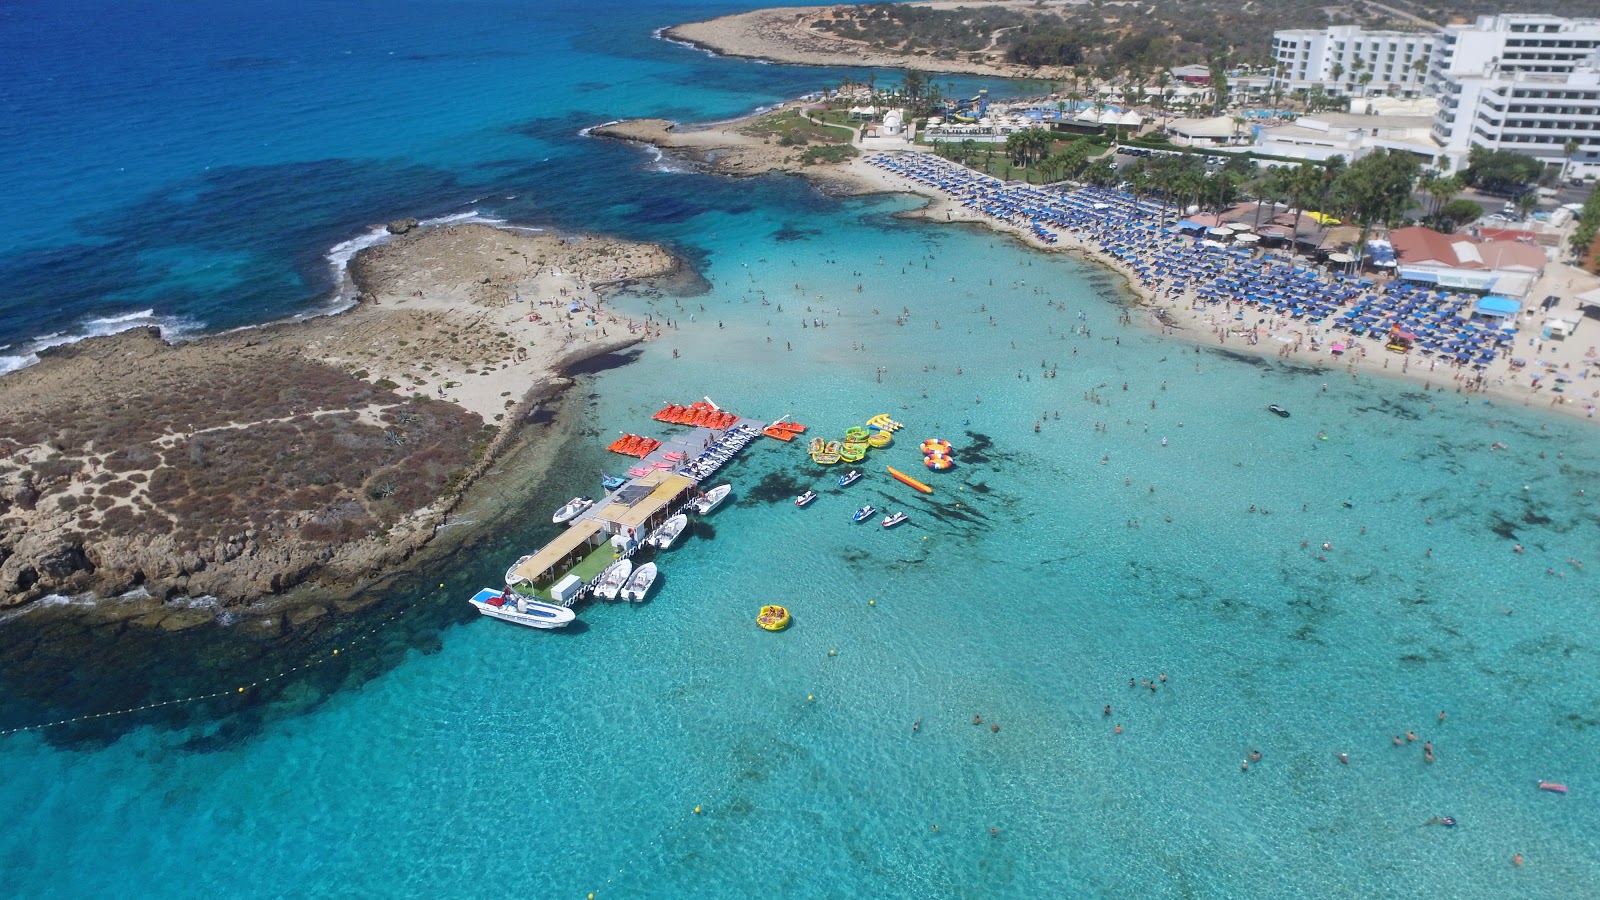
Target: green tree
x=1377, y=188
x=1456, y=213
x=1501, y=170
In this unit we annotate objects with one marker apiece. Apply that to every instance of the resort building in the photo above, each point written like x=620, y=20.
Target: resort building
x=1218, y=131
x=1319, y=136
x=1460, y=262
x=1513, y=42
x=1535, y=114
x=1345, y=60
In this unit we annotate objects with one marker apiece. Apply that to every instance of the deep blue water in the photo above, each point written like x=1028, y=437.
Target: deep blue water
x=200, y=161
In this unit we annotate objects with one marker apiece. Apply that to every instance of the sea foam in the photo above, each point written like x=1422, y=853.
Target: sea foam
x=25, y=353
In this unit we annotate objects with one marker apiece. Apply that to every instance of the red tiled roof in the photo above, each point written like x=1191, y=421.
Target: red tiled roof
x=1512, y=255
x=1416, y=244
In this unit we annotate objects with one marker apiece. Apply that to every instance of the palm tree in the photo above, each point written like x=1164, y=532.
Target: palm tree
x=1337, y=72
x=1568, y=149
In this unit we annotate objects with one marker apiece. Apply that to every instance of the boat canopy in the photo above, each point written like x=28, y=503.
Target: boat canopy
x=567, y=548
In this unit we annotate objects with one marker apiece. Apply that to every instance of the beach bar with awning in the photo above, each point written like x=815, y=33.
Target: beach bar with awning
x=641, y=506
x=1494, y=306
x=569, y=548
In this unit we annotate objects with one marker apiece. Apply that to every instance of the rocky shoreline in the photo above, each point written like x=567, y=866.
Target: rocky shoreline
x=736, y=149
x=279, y=469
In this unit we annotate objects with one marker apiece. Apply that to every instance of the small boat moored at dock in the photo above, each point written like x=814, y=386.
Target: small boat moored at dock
x=864, y=513
x=891, y=521
x=517, y=609
x=711, y=499
x=571, y=509
x=805, y=498
x=669, y=531
x=639, y=584
x=849, y=478
x=611, y=482
x=613, y=578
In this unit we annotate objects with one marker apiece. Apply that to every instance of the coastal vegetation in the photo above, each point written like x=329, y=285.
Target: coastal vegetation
x=788, y=128
x=242, y=465
x=1586, y=237
x=169, y=474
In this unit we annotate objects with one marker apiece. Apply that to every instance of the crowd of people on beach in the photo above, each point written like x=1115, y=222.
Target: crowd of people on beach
x=1253, y=291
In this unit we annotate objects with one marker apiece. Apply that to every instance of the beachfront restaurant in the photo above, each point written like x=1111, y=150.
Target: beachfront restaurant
x=640, y=506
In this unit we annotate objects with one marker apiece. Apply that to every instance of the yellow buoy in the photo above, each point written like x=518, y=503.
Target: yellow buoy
x=833, y=653
x=697, y=810
x=335, y=652
x=872, y=603
x=241, y=690
x=810, y=697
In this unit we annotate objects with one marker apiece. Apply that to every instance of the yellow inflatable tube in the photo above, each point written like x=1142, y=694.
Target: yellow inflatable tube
x=903, y=478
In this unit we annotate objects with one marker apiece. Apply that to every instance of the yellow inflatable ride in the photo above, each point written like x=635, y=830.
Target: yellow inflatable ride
x=773, y=618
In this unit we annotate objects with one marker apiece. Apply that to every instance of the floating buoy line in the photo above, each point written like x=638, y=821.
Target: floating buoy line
x=240, y=691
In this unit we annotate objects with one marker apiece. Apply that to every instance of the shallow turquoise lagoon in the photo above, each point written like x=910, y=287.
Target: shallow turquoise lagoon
x=198, y=161
x=1020, y=591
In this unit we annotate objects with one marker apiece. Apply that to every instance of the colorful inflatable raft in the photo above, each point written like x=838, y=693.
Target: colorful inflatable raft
x=903, y=478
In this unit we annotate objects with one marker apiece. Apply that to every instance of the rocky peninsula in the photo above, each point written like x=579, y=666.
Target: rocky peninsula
x=786, y=140
x=303, y=455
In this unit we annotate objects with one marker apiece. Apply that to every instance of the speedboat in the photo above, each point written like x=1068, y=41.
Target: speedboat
x=611, y=482
x=805, y=498
x=669, y=531
x=511, y=571
x=1278, y=411
x=711, y=499
x=639, y=584
x=612, y=579
x=849, y=478
x=508, y=606
x=573, y=507
x=864, y=513
x=895, y=519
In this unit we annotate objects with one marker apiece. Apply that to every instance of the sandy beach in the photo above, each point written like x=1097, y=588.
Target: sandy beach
x=1289, y=339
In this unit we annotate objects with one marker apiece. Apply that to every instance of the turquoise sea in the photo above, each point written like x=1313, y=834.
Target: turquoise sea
x=441, y=755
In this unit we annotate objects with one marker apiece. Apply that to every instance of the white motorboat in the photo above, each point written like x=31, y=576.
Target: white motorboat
x=894, y=519
x=805, y=498
x=669, y=531
x=612, y=579
x=508, y=606
x=572, y=508
x=511, y=572
x=864, y=513
x=639, y=584
x=849, y=478
x=711, y=499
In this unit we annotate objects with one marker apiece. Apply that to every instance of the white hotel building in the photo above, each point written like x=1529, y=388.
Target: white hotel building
x=1526, y=83
x=1345, y=61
